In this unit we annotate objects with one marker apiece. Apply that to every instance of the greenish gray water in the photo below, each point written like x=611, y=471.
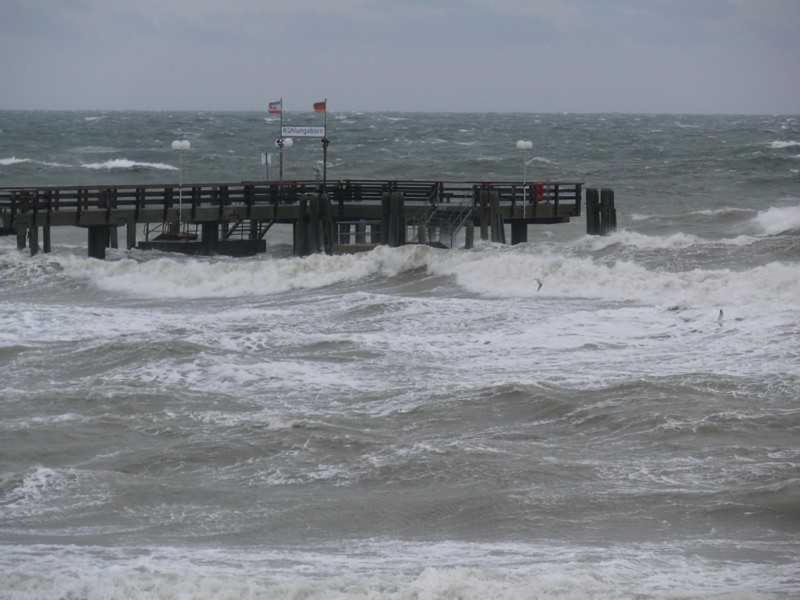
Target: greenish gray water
x=412, y=422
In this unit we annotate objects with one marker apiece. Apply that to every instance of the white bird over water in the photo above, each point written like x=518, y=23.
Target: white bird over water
x=539, y=281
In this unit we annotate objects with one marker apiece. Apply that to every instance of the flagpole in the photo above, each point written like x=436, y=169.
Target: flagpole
x=325, y=143
x=280, y=147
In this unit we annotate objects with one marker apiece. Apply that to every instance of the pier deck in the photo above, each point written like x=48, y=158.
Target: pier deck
x=345, y=213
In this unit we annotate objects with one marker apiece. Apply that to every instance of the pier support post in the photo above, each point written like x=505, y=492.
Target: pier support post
x=386, y=212
x=483, y=212
x=46, y=245
x=469, y=234
x=300, y=237
x=314, y=230
x=33, y=239
x=210, y=234
x=113, y=237
x=519, y=232
x=97, y=240
x=22, y=237
x=395, y=236
x=422, y=234
x=592, y=212
x=130, y=231
x=609, y=213
x=496, y=219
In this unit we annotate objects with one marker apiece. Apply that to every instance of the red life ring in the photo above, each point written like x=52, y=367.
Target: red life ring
x=539, y=189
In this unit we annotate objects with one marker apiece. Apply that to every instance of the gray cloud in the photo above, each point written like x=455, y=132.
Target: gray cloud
x=473, y=55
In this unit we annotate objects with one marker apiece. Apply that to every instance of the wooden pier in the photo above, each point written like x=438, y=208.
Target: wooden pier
x=346, y=215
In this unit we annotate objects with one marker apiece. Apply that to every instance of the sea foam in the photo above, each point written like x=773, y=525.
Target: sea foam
x=778, y=219
x=196, y=278
x=495, y=271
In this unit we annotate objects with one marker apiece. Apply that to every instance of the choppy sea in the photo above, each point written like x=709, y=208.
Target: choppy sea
x=411, y=423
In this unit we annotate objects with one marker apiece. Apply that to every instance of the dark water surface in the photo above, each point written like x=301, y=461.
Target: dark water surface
x=412, y=423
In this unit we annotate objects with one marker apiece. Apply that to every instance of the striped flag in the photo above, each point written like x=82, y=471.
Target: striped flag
x=275, y=108
x=320, y=106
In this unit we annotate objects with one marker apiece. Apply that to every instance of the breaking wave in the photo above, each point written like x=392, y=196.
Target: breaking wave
x=489, y=270
x=197, y=278
x=13, y=160
x=516, y=274
x=778, y=219
x=124, y=163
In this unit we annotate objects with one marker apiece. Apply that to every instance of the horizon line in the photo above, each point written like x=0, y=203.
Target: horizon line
x=400, y=111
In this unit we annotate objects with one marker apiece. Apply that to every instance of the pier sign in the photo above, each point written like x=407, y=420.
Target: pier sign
x=303, y=132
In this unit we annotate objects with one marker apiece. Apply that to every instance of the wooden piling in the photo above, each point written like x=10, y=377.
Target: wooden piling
x=46, y=244
x=592, y=212
x=483, y=212
x=301, y=229
x=609, y=212
x=519, y=232
x=314, y=230
x=210, y=236
x=422, y=234
x=469, y=234
x=396, y=234
x=130, y=230
x=385, y=216
x=33, y=239
x=495, y=218
x=113, y=237
x=97, y=238
x=22, y=237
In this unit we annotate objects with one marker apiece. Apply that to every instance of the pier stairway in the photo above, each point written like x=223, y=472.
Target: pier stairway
x=441, y=225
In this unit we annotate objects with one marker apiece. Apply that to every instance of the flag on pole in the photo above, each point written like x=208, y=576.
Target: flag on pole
x=275, y=108
x=320, y=106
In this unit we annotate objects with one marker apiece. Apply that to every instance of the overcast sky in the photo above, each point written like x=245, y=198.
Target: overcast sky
x=435, y=55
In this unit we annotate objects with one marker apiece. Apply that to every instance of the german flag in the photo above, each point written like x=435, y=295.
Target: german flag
x=321, y=106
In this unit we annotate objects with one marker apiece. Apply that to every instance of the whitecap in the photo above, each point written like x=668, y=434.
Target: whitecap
x=124, y=163
x=778, y=219
x=7, y=162
x=781, y=144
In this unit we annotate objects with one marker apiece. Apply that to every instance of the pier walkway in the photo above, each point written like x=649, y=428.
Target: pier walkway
x=345, y=215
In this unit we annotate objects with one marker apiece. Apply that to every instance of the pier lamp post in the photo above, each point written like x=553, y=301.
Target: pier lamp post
x=180, y=146
x=524, y=145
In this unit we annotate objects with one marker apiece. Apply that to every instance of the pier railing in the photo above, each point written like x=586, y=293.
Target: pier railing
x=15, y=200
